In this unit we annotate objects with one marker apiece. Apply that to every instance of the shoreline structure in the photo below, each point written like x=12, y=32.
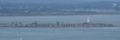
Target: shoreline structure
x=57, y=24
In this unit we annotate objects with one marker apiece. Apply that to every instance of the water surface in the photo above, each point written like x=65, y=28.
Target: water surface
x=60, y=33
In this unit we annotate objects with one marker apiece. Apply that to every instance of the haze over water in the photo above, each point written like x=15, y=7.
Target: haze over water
x=59, y=34
x=93, y=33
x=109, y=19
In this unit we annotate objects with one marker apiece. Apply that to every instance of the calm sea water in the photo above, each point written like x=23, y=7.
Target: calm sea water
x=59, y=33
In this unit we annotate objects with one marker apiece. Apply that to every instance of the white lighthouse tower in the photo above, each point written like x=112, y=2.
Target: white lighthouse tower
x=88, y=20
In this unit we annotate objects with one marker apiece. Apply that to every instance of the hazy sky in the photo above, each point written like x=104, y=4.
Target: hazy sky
x=48, y=1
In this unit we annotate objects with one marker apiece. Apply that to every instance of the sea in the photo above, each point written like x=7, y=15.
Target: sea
x=112, y=33
x=93, y=33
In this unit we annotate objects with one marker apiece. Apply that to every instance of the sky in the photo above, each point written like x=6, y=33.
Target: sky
x=48, y=1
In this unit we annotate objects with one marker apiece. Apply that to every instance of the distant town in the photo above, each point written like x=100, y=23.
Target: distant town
x=57, y=24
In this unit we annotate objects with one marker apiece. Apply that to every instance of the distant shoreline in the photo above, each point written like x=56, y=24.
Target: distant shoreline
x=52, y=15
x=60, y=27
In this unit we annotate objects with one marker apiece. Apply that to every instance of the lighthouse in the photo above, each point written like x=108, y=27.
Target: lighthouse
x=88, y=20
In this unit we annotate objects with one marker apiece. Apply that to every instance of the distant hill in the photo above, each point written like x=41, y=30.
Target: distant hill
x=57, y=9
